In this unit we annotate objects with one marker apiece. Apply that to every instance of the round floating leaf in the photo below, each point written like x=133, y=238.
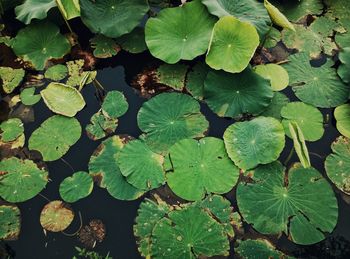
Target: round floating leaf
x=21, y=180
x=100, y=126
x=279, y=100
x=249, y=11
x=11, y=129
x=56, y=216
x=112, y=18
x=308, y=118
x=141, y=167
x=337, y=164
x=10, y=222
x=232, y=45
x=63, y=99
x=76, y=187
x=195, y=80
x=318, y=86
x=172, y=75
x=55, y=136
x=104, y=47
x=133, y=42
x=180, y=32
x=11, y=78
x=277, y=17
x=231, y=95
x=104, y=168
x=170, y=117
x=28, y=96
x=344, y=68
x=259, y=141
x=114, y=105
x=199, y=167
x=342, y=115
x=39, y=42
x=301, y=203
x=34, y=9
x=277, y=75
x=56, y=72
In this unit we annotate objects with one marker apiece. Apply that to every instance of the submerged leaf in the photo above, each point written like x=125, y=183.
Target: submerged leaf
x=56, y=216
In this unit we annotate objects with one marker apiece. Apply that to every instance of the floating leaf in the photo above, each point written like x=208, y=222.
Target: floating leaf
x=341, y=10
x=76, y=187
x=11, y=129
x=342, y=115
x=191, y=37
x=279, y=100
x=10, y=222
x=133, y=42
x=112, y=18
x=308, y=118
x=277, y=17
x=114, y=105
x=28, y=96
x=11, y=78
x=195, y=168
x=21, y=180
x=77, y=75
x=295, y=10
x=34, y=9
x=277, y=75
x=276, y=202
x=232, y=95
x=39, y=42
x=55, y=136
x=56, y=216
x=104, y=47
x=259, y=141
x=232, y=45
x=299, y=143
x=100, y=126
x=170, y=117
x=56, y=72
x=104, y=168
x=272, y=38
x=172, y=75
x=195, y=80
x=344, y=68
x=319, y=86
x=63, y=99
x=69, y=8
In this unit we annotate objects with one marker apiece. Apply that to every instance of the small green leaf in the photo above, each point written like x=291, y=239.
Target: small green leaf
x=76, y=187
x=56, y=72
x=277, y=75
x=11, y=129
x=28, y=96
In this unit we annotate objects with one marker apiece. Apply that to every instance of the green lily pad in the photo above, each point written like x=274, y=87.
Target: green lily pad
x=112, y=18
x=104, y=47
x=172, y=75
x=308, y=118
x=21, y=180
x=133, y=42
x=10, y=222
x=101, y=126
x=76, y=187
x=195, y=80
x=295, y=10
x=232, y=95
x=11, y=78
x=191, y=37
x=337, y=164
x=28, y=96
x=195, y=168
x=55, y=136
x=259, y=141
x=63, y=99
x=39, y=42
x=279, y=100
x=344, y=68
x=114, y=105
x=56, y=216
x=277, y=17
x=232, y=45
x=248, y=11
x=77, y=74
x=34, y=9
x=277, y=75
x=11, y=129
x=299, y=143
x=56, y=72
x=69, y=8
x=319, y=86
x=104, y=168
x=341, y=10
x=342, y=115
x=272, y=38
x=170, y=117
x=276, y=202
x=142, y=167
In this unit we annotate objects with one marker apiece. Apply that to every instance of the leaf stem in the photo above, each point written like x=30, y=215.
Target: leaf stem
x=64, y=161
x=64, y=17
x=289, y=157
x=76, y=232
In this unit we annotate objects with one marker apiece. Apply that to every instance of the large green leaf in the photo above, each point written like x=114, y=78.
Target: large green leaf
x=170, y=117
x=301, y=203
x=318, y=86
x=11, y=78
x=295, y=10
x=342, y=115
x=55, y=136
x=104, y=168
x=232, y=95
x=39, y=42
x=195, y=168
x=11, y=129
x=180, y=32
x=232, y=45
x=10, y=222
x=112, y=18
x=259, y=141
x=279, y=100
x=344, y=68
x=21, y=180
x=56, y=216
x=76, y=187
x=34, y=9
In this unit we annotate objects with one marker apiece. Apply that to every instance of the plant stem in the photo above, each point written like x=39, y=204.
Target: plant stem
x=64, y=161
x=76, y=232
x=291, y=153
x=64, y=17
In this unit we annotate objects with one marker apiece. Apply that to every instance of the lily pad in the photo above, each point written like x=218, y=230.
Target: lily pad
x=93, y=233
x=172, y=75
x=34, y=9
x=10, y=222
x=272, y=38
x=232, y=45
x=342, y=115
x=299, y=144
x=21, y=180
x=279, y=100
x=104, y=168
x=63, y=99
x=69, y=8
x=114, y=105
x=308, y=118
x=295, y=10
x=39, y=42
x=259, y=141
x=11, y=78
x=195, y=80
x=277, y=75
x=133, y=42
x=142, y=167
x=104, y=47
x=55, y=136
x=276, y=202
x=318, y=86
x=56, y=72
x=11, y=129
x=76, y=187
x=112, y=18
x=193, y=26
x=28, y=96
x=56, y=216
x=100, y=126
x=232, y=95
x=341, y=10
x=344, y=68
x=170, y=117
x=77, y=74
x=277, y=17
x=195, y=168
